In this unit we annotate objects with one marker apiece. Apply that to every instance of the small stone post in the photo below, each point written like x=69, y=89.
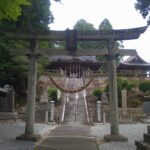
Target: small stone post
x=52, y=105
x=124, y=101
x=10, y=99
x=104, y=118
x=98, y=103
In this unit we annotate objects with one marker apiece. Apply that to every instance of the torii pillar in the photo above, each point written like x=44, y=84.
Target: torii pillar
x=31, y=94
x=113, y=95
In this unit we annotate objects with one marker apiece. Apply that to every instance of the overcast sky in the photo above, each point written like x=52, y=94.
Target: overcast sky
x=120, y=13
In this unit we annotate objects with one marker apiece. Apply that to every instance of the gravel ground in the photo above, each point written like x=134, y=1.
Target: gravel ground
x=9, y=131
x=131, y=131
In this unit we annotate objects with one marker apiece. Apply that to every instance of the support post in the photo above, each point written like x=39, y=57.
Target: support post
x=113, y=95
x=31, y=94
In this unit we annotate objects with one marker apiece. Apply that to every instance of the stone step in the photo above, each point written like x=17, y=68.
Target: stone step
x=142, y=145
x=147, y=138
x=67, y=143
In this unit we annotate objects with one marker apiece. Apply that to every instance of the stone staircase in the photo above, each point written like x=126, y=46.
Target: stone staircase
x=144, y=145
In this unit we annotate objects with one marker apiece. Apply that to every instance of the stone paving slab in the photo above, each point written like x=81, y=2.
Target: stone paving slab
x=9, y=132
x=69, y=137
x=67, y=143
x=134, y=132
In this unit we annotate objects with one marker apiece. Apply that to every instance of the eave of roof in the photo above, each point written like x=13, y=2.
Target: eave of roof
x=3, y=91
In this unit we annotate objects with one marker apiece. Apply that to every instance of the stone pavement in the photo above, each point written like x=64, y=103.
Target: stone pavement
x=9, y=131
x=80, y=137
x=69, y=137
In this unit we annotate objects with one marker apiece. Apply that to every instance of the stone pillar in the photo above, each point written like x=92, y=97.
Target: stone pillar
x=52, y=111
x=124, y=101
x=113, y=95
x=31, y=94
x=98, y=103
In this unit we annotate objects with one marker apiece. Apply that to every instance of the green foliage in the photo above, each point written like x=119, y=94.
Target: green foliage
x=144, y=8
x=98, y=92
x=52, y=94
x=134, y=103
x=83, y=25
x=105, y=25
x=34, y=17
x=11, y=9
x=122, y=84
x=144, y=86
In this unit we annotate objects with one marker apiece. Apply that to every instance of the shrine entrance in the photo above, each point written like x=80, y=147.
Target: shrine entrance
x=72, y=37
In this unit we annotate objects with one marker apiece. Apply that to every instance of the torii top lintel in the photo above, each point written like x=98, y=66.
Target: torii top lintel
x=96, y=35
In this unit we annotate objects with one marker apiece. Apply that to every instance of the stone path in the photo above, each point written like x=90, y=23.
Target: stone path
x=69, y=137
x=8, y=133
x=75, y=106
x=76, y=137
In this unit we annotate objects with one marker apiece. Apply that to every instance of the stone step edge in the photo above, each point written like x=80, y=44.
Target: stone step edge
x=97, y=140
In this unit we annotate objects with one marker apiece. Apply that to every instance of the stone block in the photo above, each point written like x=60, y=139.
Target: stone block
x=142, y=145
x=115, y=138
x=29, y=137
x=8, y=115
x=147, y=138
x=148, y=129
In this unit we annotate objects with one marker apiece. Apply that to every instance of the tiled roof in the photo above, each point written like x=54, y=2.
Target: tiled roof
x=71, y=58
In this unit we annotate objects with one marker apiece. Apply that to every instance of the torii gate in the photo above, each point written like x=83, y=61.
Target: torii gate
x=71, y=37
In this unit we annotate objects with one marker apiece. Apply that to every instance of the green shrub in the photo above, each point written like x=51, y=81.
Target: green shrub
x=144, y=86
x=52, y=94
x=122, y=84
x=134, y=103
x=98, y=92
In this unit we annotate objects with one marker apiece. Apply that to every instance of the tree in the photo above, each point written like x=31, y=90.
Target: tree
x=33, y=17
x=83, y=25
x=105, y=25
x=37, y=16
x=13, y=70
x=11, y=9
x=144, y=7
